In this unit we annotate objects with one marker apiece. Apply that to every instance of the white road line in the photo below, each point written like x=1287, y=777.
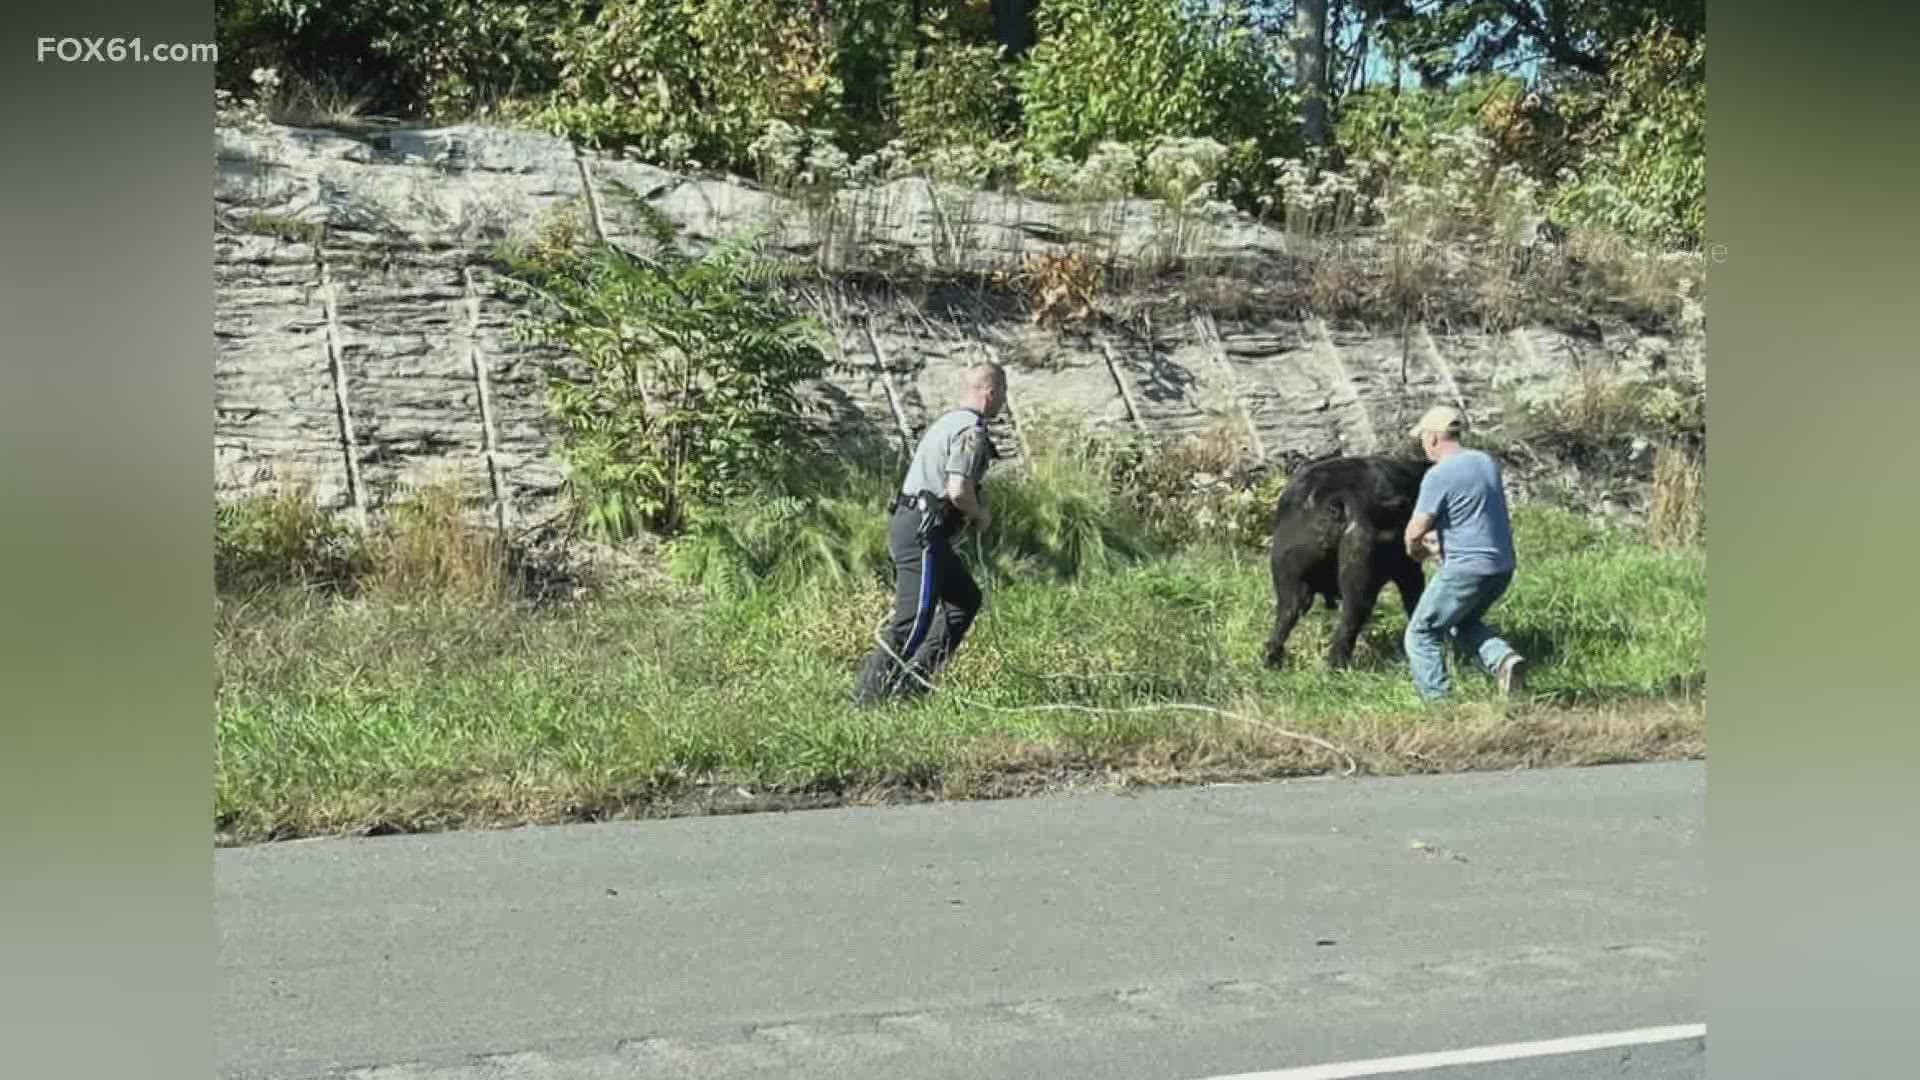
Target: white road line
x=1478, y=1055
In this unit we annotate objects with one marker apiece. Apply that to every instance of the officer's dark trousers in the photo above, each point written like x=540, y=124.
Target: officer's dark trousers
x=935, y=600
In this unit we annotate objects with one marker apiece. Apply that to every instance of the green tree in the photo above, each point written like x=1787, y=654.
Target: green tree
x=953, y=90
x=413, y=58
x=1133, y=70
x=1445, y=38
x=1644, y=169
x=1310, y=68
x=672, y=77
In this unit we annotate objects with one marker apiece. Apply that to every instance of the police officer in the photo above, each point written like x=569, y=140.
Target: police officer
x=935, y=598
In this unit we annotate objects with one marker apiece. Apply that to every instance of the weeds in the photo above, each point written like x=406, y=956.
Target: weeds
x=822, y=523
x=282, y=540
x=692, y=369
x=336, y=717
x=426, y=549
x=430, y=550
x=339, y=716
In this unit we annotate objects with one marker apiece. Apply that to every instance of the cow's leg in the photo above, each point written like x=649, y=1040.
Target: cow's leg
x=1410, y=581
x=1359, y=587
x=1291, y=598
x=1325, y=583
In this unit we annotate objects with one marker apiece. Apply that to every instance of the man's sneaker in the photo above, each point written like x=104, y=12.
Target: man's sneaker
x=1513, y=675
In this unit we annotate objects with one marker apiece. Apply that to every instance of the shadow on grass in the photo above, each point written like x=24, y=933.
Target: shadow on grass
x=1539, y=649
x=1109, y=690
x=1691, y=687
x=1383, y=646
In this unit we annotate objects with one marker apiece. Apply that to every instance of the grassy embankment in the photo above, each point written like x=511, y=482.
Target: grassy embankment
x=429, y=697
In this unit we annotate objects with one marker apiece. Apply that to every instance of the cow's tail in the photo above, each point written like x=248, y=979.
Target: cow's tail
x=1343, y=513
x=1337, y=503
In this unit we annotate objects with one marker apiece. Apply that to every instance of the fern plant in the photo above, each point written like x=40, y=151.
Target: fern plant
x=692, y=371
x=814, y=523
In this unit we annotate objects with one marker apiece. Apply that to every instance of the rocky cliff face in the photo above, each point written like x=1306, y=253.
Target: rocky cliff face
x=363, y=342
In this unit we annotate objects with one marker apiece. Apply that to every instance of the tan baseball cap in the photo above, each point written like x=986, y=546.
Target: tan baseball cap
x=1441, y=420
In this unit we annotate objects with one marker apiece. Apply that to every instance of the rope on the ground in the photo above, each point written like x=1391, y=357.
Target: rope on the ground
x=880, y=639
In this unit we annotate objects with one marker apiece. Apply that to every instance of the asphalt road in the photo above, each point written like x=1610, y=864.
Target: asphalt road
x=1172, y=935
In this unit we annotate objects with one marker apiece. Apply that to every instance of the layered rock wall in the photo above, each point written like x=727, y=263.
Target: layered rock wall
x=363, y=342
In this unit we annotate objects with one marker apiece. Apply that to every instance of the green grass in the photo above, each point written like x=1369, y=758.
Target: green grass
x=355, y=714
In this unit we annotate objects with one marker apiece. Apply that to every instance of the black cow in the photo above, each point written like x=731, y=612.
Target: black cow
x=1339, y=531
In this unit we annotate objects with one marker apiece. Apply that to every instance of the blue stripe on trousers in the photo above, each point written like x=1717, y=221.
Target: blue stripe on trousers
x=923, y=615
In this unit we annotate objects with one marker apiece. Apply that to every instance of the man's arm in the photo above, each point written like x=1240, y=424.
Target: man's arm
x=965, y=465
x=963, y=493
x=1417, y=529
x=1426, y=509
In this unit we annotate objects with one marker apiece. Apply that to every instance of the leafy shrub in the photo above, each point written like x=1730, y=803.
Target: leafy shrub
x=819, y=523
x=677, y=77
x=1205, y=490
x=1314, y=201
x=785, y=543
x=762, y=60
x=869, y=36
x=1377, y=124
x=812, y=520
x=1131, y=70
x=1061, y=515
x=425, y=58
x=954, y=93
x=807, y=162
x=692, y=368
x=1182, y=171
x=1460, y=190
x=631, y=77
x=473, y=52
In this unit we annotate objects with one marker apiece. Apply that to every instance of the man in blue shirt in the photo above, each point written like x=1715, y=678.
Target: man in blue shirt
x=1462, y=509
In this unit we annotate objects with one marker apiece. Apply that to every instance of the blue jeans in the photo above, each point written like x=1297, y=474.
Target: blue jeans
x=1452, y=606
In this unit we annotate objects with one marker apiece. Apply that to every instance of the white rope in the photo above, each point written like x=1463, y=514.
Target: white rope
x=879, y=638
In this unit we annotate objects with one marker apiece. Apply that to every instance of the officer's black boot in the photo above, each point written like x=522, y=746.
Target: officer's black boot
x=870, y=685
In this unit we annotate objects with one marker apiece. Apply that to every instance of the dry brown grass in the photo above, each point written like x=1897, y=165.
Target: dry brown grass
x=1500, y=298
x=480, y=802
x=1060, y=287
x=1482, y=736
x=1468, y=738
x=318, y=102
x=1593, y=409
x=1338, y=286
x=1219, y=449
x=1627, y=275
x=1600, y=405
x=1412, y=278
x=431, y=547
x=1233, y=297
x=1678, y=517
x=1478, y=736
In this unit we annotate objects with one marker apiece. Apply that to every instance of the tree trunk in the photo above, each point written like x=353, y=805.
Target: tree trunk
x=1013, y=25
x=1310, y=67
x=919, y=40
